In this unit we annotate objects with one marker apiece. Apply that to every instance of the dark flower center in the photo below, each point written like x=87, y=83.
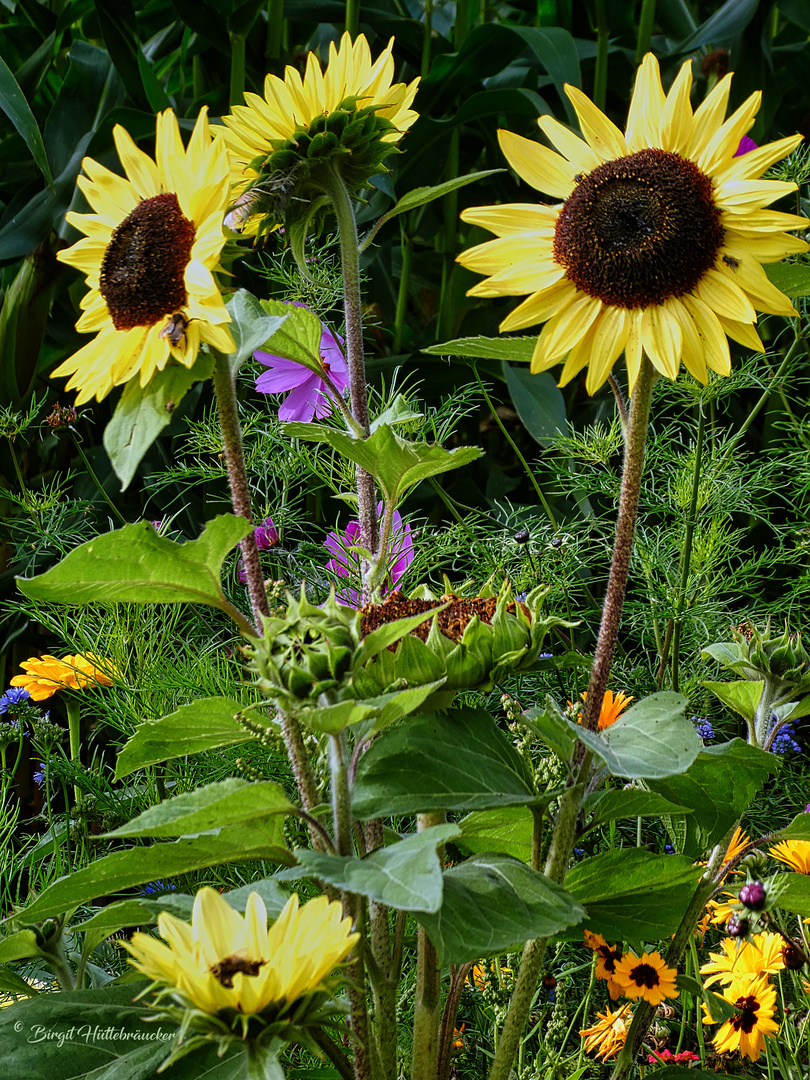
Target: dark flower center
x=142, y=270
x=639, y=229
x=746, y=1016
x=225, y=970
x=645, y=975
x=609, y=957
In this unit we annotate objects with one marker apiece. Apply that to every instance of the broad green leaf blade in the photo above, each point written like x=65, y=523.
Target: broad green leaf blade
x=213, y=806
x=793, y=279
x=615, y=805
x=507, y=829
x=206, y=724
x=726, y=24
x=511, y=349
x=540, y=405
x=741, y=697
x=117, y=916
x=719, y=787
x=423, y=195
x=795, y=895
x=457, y=761
x=492, y=902
x=798, y=829
x=17, y=109
x=19, y=946
x=632, y=894
x=652, y=739
x=269, y=890
x=252, y=325
x=139, y=865
x=554, y=730
x=557, y=51
x=135, y=565
x=298, y=336
x=406, y=875
x=11, y=983
x=143, y=412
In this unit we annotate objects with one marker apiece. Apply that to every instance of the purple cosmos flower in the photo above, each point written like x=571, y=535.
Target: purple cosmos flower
x=745, y=147
x=309, y=395
x=346, y=563
x=266, y=536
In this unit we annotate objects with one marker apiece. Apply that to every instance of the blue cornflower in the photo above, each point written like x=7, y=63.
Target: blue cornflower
x=156, y=887
x=703, y=727
x=39, y=775
x=15, y=695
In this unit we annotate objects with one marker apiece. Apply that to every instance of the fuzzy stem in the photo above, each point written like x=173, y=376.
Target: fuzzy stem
x=334, y=186
x=645, y=29
x=341, y=813
x=625, y=525
x=686, y=553
x=428, y=996
x=74, y=735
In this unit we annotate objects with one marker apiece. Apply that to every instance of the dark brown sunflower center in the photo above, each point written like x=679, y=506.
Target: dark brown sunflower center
x=225, y=970
x=745, y=1018
x=142, y=270
x=639, y=229
x=645, y=975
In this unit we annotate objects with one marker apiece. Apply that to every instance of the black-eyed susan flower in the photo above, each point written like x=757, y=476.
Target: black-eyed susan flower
x=646, y=976
x=754, y=1002
x=607, y=1036
x=657, y=244
x=148, y=253
x=45, y=675
x=607, y=956
x=231, y=965
x=352, y=115
x=794, y=853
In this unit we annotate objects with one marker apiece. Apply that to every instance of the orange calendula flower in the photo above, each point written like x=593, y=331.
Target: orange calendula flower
x=738, y=842
x=607, y=1035
x=646, y=977
x=613, y=705
x=795, y=853
x=607, y=956
x=45, y=675
x=755, y=1004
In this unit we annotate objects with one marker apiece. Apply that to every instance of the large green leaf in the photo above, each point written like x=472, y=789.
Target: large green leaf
x=742, y=697
x=615, y=805
x=652, y=739
x=540, y=405
x=406, y=875
x=508, y=829
x=511, y=349
x=719, y=786
x=557, y=51
x=492, y=902
x=17, y=109
x=253, y=323
x=798, y=829
x=793, y=279
x=454, y=761
x=206, y=724
x=632, y=894
x=135, y=565
x=795, y=895
x=213, y=806
x=139, y=865
x=722, y=27
x=143, y=412
x=19, y=946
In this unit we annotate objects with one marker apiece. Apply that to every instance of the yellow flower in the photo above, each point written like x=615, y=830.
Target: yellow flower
x=646, y=977
x=608, y=1034
x=722, y=910
x=225, y=961
x=739, y=840
x=148, y=251
x=762, y=955
x=796, y=853
x=612, y=707
x=755, y=1002
x=352, y=114
x=657, y=245
x=45, y=675
x=607, y=957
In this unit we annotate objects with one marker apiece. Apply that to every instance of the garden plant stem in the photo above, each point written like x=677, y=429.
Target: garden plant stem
x=428, y=995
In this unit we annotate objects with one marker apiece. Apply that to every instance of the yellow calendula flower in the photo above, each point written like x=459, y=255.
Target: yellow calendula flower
x=350, y=115
x=762, y=955
x=45, y=675
x=606, y=1037
x=225, y=962
x=646, y=976
x=795, y=853
x=657, y=245
x=148, y=253
x=755, y=1004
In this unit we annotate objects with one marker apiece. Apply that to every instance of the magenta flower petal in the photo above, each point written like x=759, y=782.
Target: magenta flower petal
x=299, y=404
x=346, y=564
x=745, y=147
x=282, y=375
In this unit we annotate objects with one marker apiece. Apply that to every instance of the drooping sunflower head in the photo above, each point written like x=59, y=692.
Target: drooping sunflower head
x=658, y=243
x=351, y=115
x=148, y=252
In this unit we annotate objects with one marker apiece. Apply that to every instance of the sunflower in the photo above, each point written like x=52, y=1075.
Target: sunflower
x=795, y=853
x=754, y=1002
x=351, y=114
x=657, y=245
x=225, y=961
x=646, y=977
x=45, y=675
x=148, y=251
x=608, y=1034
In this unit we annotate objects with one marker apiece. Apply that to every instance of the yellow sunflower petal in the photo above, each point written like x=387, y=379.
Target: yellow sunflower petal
x=608, y=338
x=744, y=333
x=662, y=338
x=675, y=128
x=723, y=295
x=646, y=107
x=511, y=217
x=537, y=165
x=715, y=342
x=564, y=330
x=709, y=117
x=141, y=170
x=723, y=144
x=600, y=133
x=755, y=162
x=748, y=275
x=539, y=306
x=581, y=156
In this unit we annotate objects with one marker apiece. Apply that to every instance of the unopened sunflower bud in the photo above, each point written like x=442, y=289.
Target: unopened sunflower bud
x=753, y=896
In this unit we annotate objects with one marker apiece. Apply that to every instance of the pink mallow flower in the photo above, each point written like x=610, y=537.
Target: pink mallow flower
x=266, y=537
x=745, y=147
x=668, y=1057
x=309, y=396
x=346, y=564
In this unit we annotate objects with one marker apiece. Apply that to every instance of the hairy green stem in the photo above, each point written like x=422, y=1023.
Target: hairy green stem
x=645, y=28
x=686, y=552
x=625, y=527
x=428, y=995
x=353, y=17
x=341, y=812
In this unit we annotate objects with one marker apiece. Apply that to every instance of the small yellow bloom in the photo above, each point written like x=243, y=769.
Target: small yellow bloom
x=646, y=977
x=607, y=956
x=795, y=853
x=225, y=961
x=738, y=841
x=755, y=1004
x=744, y=959
x=45, y=675
x=607, y=1036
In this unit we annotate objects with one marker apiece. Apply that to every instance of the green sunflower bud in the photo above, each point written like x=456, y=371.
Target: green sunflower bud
x=781, y=661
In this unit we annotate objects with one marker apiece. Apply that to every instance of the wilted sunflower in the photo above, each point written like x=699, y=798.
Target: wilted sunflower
x=657, y=245
x=351, y=114
x=148, y=252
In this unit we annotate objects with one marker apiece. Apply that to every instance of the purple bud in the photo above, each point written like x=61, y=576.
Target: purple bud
x=737, y=926
x=753, y=896
x=266, y=535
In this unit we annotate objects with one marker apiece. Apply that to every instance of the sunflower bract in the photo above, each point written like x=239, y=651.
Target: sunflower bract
x=657, y=245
